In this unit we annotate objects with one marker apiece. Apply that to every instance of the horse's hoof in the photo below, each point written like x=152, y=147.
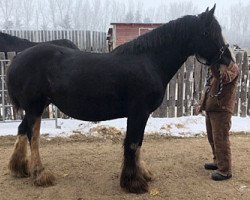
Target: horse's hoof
x=135, y=184
x=44, y=178
x=19, y=168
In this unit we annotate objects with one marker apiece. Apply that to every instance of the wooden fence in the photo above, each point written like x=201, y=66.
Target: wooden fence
x=182, y=93
x=184, y=90
x=90, y=41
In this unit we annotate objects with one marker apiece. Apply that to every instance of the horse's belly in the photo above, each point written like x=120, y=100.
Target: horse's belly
x=91, y=110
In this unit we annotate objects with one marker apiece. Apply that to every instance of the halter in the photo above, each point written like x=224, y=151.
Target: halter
x=222, y=51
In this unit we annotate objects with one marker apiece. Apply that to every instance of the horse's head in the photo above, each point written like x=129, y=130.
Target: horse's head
x=209, y=43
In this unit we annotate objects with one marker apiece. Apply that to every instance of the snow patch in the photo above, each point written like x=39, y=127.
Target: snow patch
x=191, y=126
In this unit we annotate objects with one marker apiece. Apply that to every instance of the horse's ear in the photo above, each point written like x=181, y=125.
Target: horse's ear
x=207, y=9
x=212, y=10
x=210, y=15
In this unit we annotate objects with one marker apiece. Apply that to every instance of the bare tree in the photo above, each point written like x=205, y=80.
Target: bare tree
x=43, y=15
x=129, y=17
x=64, y=8
x=138, y=12
x=28, y=12
x=52, y=12
x=6, y=7
x=77, y=14
x=179, y=9
x=85, y=15
x=95, y=18
x=246, y=19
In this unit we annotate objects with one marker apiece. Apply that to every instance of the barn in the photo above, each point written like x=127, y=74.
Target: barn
x=120, y=33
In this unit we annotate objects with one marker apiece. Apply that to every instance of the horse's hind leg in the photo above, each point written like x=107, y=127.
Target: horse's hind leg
x=18, y=164
x=134, y=175
x=41, y=176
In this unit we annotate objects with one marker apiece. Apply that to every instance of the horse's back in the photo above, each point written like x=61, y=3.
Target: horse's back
x=64, y=43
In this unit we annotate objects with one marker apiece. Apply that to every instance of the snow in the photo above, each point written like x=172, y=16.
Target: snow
x=191, y=126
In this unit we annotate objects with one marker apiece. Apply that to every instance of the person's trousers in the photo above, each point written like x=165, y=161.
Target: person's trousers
x=218, y=125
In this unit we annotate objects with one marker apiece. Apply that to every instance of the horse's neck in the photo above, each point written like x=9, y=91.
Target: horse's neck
x=168, y=46
x=169, y=61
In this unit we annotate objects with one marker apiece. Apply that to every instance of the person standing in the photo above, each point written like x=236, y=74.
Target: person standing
x=218, y=101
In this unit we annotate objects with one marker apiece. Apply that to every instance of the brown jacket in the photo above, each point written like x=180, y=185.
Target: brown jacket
x=226, y=100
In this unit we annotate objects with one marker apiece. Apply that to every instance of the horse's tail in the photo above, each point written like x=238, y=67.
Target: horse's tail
x=14, y=101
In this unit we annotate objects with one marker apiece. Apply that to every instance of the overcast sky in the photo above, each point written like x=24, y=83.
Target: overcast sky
x=201, y=4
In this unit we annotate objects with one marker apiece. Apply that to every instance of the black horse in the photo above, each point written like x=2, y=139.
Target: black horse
x=128, y=82
x=9, y=43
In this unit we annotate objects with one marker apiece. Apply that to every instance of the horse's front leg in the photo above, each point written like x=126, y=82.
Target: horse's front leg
x=134, y=175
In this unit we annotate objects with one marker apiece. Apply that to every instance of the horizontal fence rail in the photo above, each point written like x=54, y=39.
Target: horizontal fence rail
x=90, y=41
x=182, y=93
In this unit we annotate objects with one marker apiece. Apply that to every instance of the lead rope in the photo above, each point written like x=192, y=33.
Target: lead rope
x=208, y=83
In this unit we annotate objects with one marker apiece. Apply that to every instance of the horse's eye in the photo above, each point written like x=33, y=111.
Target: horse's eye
x=205, y=33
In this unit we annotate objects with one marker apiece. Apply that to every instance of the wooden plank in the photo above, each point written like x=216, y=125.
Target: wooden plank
x=2, y=65
x=188, y=88
x=83, y=41
x=172, y=92
x=88, y=41
x=35, y=36
x=248, y=93
x=25, y=34
x=2, y=56
x=93, y=41
x=70, y=35
x=105, y=46
x=239, y=63
x=62, y=34
x=49, y=36
x=243, y=92
x=10, y=55
x=197, y=84
x=180, y=94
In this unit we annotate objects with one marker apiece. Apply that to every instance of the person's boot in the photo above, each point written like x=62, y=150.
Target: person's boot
x=217, y=176
x=210, y=166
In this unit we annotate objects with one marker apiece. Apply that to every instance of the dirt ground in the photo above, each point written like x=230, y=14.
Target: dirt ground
x=89, y=168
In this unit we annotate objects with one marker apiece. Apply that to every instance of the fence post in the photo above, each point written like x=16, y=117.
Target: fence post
x=248, y=92
x=88, y=41
x=10, y=56
x=172, y=91
x=243, y=92
x=188, y=89
x=197, y=84
x=180, y=81
x=239, y=63
x=2, y=63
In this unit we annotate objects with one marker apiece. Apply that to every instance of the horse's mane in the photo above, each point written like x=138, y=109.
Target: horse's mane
x=11, y=38
x=171, y=32
x=215, y=30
